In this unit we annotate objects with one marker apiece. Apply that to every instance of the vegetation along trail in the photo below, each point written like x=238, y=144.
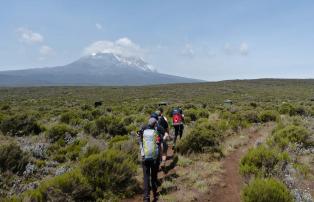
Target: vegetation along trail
x=231, y=182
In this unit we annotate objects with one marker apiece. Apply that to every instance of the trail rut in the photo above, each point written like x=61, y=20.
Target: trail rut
x=231, y=182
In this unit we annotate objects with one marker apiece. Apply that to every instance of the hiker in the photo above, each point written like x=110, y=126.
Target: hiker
x=163, y=122
x=177, y=122
x=150, y=139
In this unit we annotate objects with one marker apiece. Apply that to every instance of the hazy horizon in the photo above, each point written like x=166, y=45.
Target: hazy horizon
x=203, y=40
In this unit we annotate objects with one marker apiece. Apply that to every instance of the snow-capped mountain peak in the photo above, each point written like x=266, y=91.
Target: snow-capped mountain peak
x=134, y=62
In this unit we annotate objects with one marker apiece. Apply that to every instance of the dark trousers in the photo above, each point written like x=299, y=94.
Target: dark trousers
x=178, y=130
x=150, y=171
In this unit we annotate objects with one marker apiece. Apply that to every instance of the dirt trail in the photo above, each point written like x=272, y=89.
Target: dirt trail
x=229, y=187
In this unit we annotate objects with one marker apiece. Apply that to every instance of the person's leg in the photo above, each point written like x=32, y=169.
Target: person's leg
x=164, y=154
x=181, y=130
x=164, y=150
x=176, y=133
x=146, y=174
x=154, y=178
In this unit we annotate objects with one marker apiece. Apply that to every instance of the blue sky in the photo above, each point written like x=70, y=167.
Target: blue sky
x=211, y=40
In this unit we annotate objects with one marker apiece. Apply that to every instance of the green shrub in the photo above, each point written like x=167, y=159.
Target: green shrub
x=70, y=118
x=111, y=125
x=263, y=162
x=203, y=137
x=90, y=150
x=128, y=120
x=235, y=120
x=126, y=144
x=12, y=158
x=58, y=132
x=268, y=115
x=71, y=186
x=253, y=104
x=251, y=116
x=286, y=108
x=73, y=150
x=96, y=113
x=117, y=139
x=291, y=134
x=111, y=171
x=5, y=107
x=194, y=114
x=91, y=128
x=266, y=190
x=20, y=125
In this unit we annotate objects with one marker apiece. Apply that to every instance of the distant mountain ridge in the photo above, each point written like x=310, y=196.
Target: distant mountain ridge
x=94, y=69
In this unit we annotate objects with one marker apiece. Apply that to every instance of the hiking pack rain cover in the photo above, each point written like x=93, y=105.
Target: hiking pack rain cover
x=149, y=149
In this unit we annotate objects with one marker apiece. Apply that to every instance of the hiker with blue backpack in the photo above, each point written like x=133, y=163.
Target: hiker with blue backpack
x=178, y=123
x=150, y=139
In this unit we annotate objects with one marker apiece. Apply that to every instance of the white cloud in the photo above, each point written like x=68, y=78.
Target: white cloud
x=188, y=51
x=228, y=49
x=28, y=36
x=123, y=46
x=244, y=48
x=45, y=50
x=126, y=42
x=99, y=26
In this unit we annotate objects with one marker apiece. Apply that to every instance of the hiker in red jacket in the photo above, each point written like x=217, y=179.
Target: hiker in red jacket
x=178, y=123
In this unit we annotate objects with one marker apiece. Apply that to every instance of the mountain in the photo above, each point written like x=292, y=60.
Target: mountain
x=95, y=69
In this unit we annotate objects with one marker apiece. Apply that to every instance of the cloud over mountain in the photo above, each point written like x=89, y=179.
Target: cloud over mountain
x=28, y=36
x=123, y=46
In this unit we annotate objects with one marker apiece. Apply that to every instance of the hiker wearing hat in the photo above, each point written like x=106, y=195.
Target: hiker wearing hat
x=149, y=140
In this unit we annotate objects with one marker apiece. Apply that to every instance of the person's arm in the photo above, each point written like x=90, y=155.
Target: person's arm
x=140, y=140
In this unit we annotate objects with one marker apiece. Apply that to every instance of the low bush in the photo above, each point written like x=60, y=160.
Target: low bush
x=20, y=125
x=58, y=132
x=110, y=172
x=203, y=137
x=91, y=128
x=266, y=190
x=70, y=118
x=287, y=108
x=268, y=115
x=235, y=120
x=193, y=114
x=263, y=162
x=90, y=150
x=12, y=158
x=125, y=144
x=5, y=107
x=111, y=125
x=291, y=134
x=251, y=116
x=71, y=186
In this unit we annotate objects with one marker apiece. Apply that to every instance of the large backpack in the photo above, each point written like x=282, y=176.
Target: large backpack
x=176, y=117
x=150, y=147
x=163, y=123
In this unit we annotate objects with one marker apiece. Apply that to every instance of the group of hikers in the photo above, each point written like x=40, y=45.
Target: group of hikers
x=153, y=139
